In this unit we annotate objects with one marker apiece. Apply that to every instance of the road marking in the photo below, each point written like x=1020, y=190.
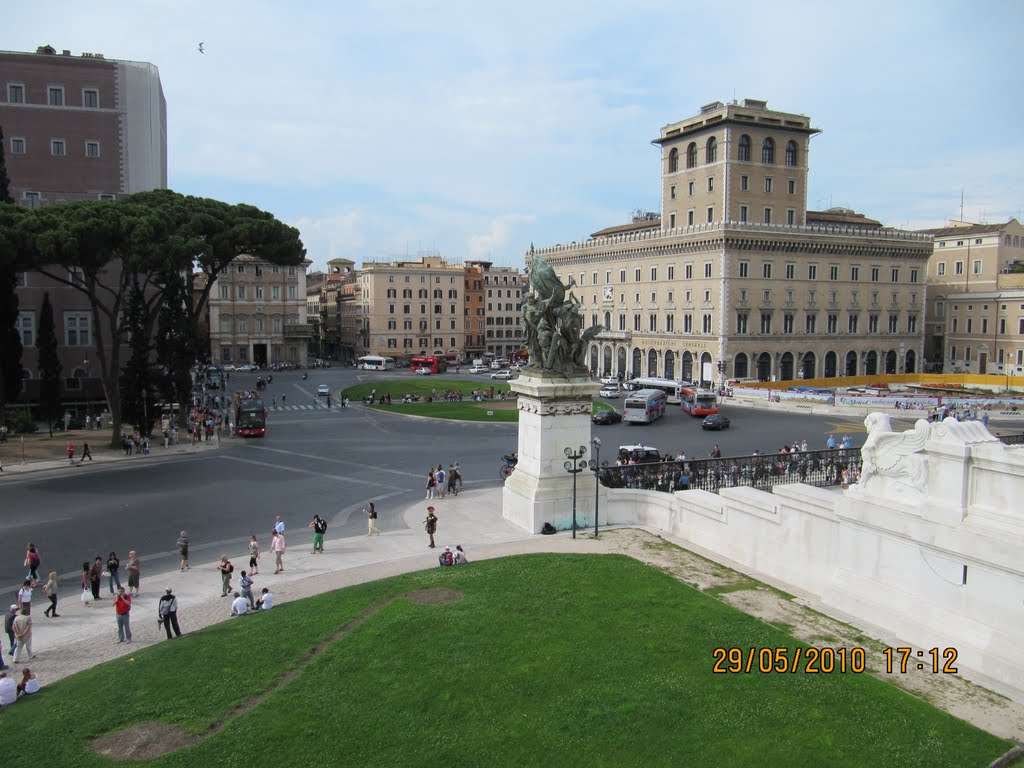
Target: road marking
x=300, y=470
x=361, y=466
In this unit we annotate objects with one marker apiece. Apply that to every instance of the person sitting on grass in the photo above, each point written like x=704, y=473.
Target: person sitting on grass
x=446, y=558
x=460, y=555
x=29, y=682
x=239, y=606
x=8, y=690
x=266, y=601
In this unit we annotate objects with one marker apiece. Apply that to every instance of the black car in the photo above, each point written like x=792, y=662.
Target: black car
x=715, y=421
x=75, y=422
x=607, y=416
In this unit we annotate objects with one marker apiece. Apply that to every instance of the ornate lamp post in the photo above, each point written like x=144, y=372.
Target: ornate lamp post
x=596, y=466
x=575, y=465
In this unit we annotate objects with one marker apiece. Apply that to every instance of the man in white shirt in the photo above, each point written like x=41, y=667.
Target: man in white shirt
x=8, y=690
x=266, y=601
x=239, y=606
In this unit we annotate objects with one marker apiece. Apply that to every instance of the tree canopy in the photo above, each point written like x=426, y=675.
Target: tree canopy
x=152, y=240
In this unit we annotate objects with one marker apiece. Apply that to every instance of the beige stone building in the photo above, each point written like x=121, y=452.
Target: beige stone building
x=755, y=286
x=257, y=314
x=411, y=308
x=503, y=300
x=975, y=317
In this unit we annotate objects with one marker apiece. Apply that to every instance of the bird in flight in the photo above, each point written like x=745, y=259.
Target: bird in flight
x=201, y=48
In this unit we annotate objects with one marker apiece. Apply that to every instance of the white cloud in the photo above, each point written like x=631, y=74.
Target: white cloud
x=496, y=239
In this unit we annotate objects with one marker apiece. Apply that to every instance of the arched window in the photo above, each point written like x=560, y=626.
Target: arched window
x=712, y=151
x=673, y=160
x=791, y=153
x=691, y=156
x=768, y=152
x=744, y=151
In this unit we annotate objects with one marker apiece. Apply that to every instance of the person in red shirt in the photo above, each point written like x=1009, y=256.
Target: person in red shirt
x=71, y=453
x=123, y=607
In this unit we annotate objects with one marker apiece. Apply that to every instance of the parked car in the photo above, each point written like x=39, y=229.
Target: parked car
x=422, y=371
x=608, y=380
x=495, y=365
x=75, y=422
x=505, y=375
x=323, y=390
x=715, y=421
x=639, y=453
x=479, y=369
x=248, y=368
x=607, y=416
x=609, y=392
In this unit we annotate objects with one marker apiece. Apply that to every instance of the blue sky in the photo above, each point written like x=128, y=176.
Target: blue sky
x=386, y=129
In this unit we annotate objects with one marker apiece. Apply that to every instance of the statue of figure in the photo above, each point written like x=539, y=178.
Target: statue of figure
x=553, y=323
x=891, y=461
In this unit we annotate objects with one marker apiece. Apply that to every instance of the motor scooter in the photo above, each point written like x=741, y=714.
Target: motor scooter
x=305, y=376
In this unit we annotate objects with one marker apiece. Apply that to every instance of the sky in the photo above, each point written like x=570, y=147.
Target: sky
x=389, y=130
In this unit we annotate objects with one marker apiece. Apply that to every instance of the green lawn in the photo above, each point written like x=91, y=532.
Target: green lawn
x=548, y=660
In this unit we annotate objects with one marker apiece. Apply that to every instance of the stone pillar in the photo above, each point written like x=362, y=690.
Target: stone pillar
x=554, y=414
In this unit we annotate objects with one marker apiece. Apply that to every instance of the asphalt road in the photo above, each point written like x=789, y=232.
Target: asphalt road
x=311, y=461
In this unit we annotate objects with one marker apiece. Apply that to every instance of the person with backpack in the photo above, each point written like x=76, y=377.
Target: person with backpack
x=430, y=525
x=446, y=558
x=32, y=561
x=319, y=526
x=371, y=519
x=226, y=569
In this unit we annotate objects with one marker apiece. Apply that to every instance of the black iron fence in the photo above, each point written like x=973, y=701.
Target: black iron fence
x=819, y=468
x=1017, y=439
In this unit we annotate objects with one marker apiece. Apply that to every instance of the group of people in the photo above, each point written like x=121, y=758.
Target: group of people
x=11, y=691
x=93, y=573
x=441, y=482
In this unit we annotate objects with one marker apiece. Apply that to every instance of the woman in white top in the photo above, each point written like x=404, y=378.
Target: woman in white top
x=460, y=555
x=29, y=682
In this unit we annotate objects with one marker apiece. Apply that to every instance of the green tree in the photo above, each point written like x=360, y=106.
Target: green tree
x=10, y=338
x=176, y=343
x=102, y=249
x=135, y=383
x=49, y=364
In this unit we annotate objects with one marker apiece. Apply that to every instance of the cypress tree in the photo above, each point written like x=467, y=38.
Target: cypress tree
x=49, y=364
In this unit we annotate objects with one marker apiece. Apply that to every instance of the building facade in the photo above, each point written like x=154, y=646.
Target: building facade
x=411, y=308
x=975, y=319
x=76, y=128
x=745, y=297
x=504, y=288
x=257, y=314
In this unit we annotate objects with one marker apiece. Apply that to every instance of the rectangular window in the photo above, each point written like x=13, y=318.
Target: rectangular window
x=767, y=215
x=243, y=326
x=832, y=323
x=895, y=274
x=92, y=149
x=276, y=324
x=224, y=291
x=55, y=95
x=622, y=322
x=976, y=267
x=687, y=323
x=711, y=183
x=689, y=189
x=90, y=98
x=984, y=325
x=275, y=292
x=652, y=323
x=855, y=274
x=810, y=297
x=671, y=276
x=744, y=268
x=15, y=93
x=711, y=213
x=743, y=213
x=622, y=275
x=958, y=268
x=259, y=293
x=852, y=324
x=670, y=324
x=812, y=271
x=240, y=291
x=243, y=353
x=791, y=187
x=672, y=192
x=874, y=274
x=689, y=218
x=766, y=270
x=76, y=329
x=912, y=324
x=956, y=323
x=58, y=148
x=790, y=216
x=766, y=322
x=893, y=323
x=809, y=323
x=706, y=324
x=292, y=291
x=744, y=182
x=768, y=184
x=787, y=323
x=913, y=275
x=790, y=271
x=967, y=354
x=688, y=271
x=17, y=146
x=940, y=268
x=26, y=328
x=970, y=325
x=741, y=323
x=636, y=322
x=259, y=325
x=707, y=269
x=654, y=274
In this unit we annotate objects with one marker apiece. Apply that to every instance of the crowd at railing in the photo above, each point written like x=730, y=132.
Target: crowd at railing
x=838, y=466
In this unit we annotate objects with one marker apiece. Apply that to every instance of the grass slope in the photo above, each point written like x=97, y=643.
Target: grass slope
x=548, y=660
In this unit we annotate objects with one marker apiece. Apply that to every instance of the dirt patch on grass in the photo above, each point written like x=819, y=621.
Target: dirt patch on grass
x=433, y=596
x=498, y=405
x=143, y=741
x=954, y=694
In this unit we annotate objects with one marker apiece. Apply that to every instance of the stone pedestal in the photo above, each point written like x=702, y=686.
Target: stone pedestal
x=554, y=414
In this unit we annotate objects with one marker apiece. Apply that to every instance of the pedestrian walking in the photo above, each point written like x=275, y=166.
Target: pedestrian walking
x=50, y=590
x=71, y=453
x=25, y=596
x=254, y=555
x=431, y=483
x=277, y=547
x=439, y=480
x=450, y=480
x=226, y=569
x=32, y=561
x=245, y=584
x=183, y=548
x=371, y=519
x=167, y=613
x=22, y=628
x=9, y=618
x=113, y=569
x=279, y=525
x=430, y=524
x=133, y=573
x=458, y=475
x=319, y=526
x=122, y=611
x=86, y=453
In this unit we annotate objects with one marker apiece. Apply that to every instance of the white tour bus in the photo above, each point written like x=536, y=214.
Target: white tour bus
x=669, y=386
x=376, y=363
x=644, y=406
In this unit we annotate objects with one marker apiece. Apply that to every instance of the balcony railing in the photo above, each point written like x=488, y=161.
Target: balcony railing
x=818, y=468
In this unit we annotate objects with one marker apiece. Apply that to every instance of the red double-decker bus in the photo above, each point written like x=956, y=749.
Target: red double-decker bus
x=433, y=363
